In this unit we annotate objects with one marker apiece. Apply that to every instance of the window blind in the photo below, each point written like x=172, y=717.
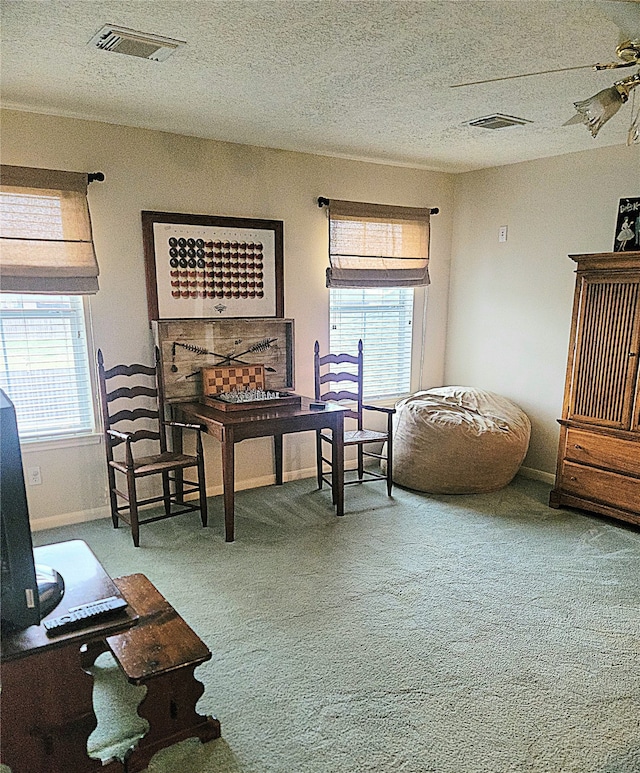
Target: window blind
x=44, y=366
x=375, y=245
x=45, y=232
x=382, y=318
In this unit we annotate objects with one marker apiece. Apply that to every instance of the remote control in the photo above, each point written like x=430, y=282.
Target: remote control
x=84, y=615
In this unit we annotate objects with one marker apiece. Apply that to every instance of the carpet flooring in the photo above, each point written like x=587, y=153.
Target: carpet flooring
x=418, y=634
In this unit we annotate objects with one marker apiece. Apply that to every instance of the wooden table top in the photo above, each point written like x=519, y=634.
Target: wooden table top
x=85, y=580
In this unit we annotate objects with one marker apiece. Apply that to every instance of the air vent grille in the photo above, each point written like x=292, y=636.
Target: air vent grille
x=498, y=121
x=120, y=40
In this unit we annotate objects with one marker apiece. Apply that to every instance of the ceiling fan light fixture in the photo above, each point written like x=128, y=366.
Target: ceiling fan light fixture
x=598, y=109
x=595, y=111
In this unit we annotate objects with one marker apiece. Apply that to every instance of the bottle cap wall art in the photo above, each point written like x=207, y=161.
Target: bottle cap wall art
x=200, y=266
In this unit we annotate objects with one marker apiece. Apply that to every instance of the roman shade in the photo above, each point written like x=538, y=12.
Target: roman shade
x=45, y=232
x=375, y=245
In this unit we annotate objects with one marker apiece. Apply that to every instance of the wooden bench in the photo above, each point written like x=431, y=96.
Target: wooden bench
x=161, y=652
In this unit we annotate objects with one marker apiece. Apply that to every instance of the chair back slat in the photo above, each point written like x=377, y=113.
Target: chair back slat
x=327, y=378
x=130, y=370
x=337, y=359
x=337, y=397
x=136, y=413
x=131, y=392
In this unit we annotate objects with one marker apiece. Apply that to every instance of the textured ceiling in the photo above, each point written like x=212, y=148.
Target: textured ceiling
x=350, y=78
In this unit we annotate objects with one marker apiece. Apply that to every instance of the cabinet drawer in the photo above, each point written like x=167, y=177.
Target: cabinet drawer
x=607, y=487
x=603, y=451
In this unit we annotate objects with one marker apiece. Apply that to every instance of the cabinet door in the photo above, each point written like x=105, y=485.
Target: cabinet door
x=605, y=366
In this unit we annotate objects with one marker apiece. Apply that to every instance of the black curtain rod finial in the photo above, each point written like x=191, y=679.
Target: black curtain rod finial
x=95, y=177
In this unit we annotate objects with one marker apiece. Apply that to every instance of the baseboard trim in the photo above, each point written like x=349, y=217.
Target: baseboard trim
x=68, y=519
x=533, y=474
x=83, y=516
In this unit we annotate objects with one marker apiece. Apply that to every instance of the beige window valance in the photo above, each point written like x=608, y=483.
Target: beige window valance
x=45, y=232
x=375, y=245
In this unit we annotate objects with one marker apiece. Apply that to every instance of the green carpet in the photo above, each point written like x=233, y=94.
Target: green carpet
x=466, y=634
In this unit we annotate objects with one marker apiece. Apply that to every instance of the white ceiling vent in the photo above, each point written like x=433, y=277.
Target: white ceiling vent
x=121, y=40
x=498, y=121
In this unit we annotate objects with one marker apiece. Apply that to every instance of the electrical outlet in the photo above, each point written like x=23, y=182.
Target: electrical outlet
x=34, y=476
x=502, y=233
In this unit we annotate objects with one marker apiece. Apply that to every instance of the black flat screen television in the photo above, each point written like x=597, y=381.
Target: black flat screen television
x=29, y=592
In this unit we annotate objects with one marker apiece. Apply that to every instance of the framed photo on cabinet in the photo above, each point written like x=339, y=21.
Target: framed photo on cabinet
x=627, y=236
x=204, y=266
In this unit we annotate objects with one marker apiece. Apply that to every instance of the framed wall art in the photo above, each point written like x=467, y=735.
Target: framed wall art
x=203, y=266
x=188, y=346
x=627, y=236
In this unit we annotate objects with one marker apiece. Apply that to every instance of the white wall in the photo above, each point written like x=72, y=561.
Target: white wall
x=505, y=323
x=510, y=303
x=158, y=171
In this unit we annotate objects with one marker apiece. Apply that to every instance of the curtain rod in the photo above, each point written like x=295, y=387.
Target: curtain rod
x=95, y=177
x=323, y=202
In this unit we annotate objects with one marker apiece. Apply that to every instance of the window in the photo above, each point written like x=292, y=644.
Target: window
x=378, y=254
x=45, y=366
x=383, y=319
x=48, y=264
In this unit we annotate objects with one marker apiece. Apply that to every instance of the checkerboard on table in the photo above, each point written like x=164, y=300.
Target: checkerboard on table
x=228, y=379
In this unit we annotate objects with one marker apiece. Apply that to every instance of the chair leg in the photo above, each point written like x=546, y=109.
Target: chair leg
x=166, y=493
x=133, y=509
x=202, y=487
x=113, y=497
x=360, y=462
x=319, y=458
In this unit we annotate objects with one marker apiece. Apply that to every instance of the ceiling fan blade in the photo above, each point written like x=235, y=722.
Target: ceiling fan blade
x=524, y=75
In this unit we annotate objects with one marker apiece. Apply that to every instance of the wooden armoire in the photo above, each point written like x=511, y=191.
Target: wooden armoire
x=599, y=453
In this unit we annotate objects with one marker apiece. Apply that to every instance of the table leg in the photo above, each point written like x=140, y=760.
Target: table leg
x=228, y=478
x=337, y=459
x=169, y=708
x=45, y=726
x=277, y=452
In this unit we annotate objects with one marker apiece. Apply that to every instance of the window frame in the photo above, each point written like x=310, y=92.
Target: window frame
x=418, y=326
x=92, y=432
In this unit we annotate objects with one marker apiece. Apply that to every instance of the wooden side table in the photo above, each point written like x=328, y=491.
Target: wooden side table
x=162, y=653
x=47, y=697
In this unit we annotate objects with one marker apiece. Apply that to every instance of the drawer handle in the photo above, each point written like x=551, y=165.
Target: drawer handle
x=579, y=447
x=572, y=477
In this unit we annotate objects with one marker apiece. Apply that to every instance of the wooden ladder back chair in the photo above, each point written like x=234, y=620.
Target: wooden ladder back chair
x=328, y=370
x=139, y=406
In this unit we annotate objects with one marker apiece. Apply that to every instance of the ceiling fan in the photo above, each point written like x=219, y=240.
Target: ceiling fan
x=595, y=111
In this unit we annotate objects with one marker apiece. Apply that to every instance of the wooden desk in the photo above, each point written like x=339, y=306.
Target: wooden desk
x=47, y=697
x=231, y=427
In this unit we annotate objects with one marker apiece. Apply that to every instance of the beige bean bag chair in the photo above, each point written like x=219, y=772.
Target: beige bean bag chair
x=458, y=440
